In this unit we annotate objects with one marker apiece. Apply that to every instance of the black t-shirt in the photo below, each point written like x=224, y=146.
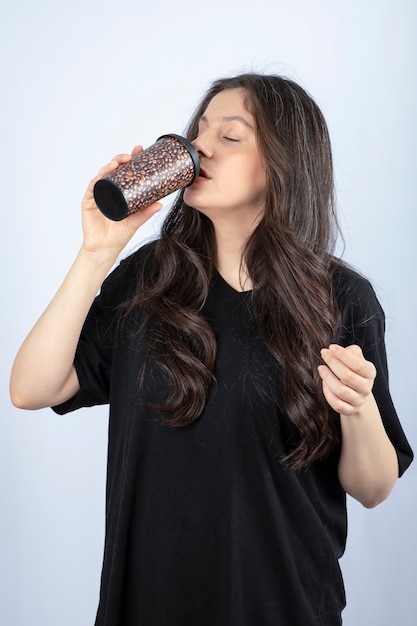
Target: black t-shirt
x=204, y=524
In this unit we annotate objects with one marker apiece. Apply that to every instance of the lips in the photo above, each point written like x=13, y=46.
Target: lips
x=203, y=173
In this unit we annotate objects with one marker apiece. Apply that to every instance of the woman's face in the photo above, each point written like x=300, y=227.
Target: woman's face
x=232, y=181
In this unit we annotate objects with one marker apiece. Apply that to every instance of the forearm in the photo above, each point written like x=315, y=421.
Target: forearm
x=368, y=466
x=43, y=372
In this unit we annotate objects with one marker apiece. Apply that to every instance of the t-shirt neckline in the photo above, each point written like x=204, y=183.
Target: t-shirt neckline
x=230, y=288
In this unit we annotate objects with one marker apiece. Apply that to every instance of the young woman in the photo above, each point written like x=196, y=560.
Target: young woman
x=246, y=374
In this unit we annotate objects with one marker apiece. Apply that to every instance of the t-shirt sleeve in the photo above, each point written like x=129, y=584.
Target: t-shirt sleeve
x=363, y=323
x=94, y=355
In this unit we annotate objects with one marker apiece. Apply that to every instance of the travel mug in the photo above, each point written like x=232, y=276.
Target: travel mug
x=169, y=164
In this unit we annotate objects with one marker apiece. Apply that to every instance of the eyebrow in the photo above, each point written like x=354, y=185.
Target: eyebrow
x=230, y=118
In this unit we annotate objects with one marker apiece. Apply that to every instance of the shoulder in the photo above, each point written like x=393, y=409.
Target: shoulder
x=361, y=314
x=122, y=282
x=352, y=289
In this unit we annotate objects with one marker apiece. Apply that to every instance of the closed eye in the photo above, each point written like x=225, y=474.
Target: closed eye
x=230, y=139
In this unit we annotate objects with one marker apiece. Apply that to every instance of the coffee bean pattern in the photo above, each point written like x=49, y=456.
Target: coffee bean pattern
x=161, y=169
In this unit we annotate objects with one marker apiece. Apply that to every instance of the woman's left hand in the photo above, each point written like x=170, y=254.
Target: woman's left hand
x=347, y=377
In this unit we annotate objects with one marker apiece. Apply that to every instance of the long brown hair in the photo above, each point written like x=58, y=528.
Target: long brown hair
x=288, y=258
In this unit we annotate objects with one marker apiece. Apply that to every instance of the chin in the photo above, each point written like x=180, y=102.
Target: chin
x=191, y=197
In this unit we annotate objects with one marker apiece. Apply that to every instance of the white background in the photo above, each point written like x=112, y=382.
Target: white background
x=84, y=80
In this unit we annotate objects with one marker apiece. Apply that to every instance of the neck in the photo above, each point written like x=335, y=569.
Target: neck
x=229, y=262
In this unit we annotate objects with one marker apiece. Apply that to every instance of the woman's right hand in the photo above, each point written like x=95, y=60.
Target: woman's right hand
x=102, y=235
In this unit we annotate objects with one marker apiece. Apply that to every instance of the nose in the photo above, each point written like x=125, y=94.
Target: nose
x=203, y=145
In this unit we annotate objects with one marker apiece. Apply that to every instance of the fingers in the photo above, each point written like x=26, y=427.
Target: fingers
x=140, y=217
x=119, y=159
x=347, y=377
x=116, y=161
x=137, y=150
x=334, y=399
x=348, y=364
x=106, y=169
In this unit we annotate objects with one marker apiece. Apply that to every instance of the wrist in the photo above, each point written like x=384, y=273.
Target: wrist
x=97, y=259
x=95, y=265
